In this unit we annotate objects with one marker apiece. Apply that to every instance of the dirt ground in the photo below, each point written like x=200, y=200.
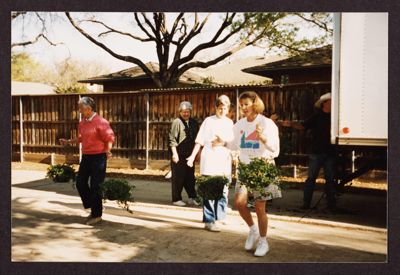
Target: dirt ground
x=48, y=225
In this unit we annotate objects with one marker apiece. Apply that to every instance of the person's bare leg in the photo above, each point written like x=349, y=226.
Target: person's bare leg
x=241, y=206
x=261, y=217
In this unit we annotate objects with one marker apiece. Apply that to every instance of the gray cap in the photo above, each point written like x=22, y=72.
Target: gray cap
x=185, y=105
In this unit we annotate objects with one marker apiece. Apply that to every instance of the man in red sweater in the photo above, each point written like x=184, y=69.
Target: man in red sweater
x=96, y=137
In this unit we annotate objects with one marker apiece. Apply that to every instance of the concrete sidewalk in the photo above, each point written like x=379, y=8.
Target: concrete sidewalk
x=47, y=225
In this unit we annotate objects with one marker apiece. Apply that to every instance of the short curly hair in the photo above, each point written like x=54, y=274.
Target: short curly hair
x=185, y=105
x=258, y=104
x=88, y=101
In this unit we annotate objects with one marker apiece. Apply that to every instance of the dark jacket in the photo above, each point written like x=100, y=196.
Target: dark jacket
x=320, y=126
x=183, y=136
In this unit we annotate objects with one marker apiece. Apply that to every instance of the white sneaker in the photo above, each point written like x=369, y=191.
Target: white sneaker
x=193, y=202
x=179, y=203
x=262, y=248
x=212, y=227
x=251, y=240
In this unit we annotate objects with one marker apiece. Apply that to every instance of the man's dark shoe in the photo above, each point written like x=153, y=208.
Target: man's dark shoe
x=93, y=221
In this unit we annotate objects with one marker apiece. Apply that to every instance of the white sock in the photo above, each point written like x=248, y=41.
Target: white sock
x=263, y=239
x=253, y=228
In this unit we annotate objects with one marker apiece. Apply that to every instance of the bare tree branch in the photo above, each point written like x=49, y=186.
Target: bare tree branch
x=214, y=61
x=112, y=30
x=42, y=32
x=36, y=39
x=121, y=57
x=147, y=21
x=183, y=30
x=140, y=24
x=213, y=42
x=176, y=22
x=196, y=29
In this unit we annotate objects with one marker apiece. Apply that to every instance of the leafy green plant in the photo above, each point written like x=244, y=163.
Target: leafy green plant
x=118, y=190
x=211, y=187
x=61, y=172
x=258, y=174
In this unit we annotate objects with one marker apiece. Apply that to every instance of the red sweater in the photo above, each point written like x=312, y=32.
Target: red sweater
x=94, y=135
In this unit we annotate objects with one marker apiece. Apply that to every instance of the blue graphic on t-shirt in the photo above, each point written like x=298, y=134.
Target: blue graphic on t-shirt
x=251, y=141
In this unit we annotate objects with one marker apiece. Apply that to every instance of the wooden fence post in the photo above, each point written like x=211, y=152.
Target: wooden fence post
x=21, y=131
x=147, y=129
x=33, y=119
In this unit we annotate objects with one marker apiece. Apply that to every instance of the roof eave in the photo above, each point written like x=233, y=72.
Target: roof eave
x=263, y=69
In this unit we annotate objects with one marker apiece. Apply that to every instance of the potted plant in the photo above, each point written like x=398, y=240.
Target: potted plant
x=61, y=172
x=258, y=174
x=118, y=190
x=211, y=187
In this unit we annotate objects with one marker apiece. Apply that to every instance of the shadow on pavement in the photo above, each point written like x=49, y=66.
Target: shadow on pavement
x=57, y=236
x=357, y=208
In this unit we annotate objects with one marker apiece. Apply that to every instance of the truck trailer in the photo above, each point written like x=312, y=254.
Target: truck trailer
x=359, y=117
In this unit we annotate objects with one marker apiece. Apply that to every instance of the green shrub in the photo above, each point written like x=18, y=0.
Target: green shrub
x=61, y=172
x=258, y=174
x=118, y=190
x=211, y=187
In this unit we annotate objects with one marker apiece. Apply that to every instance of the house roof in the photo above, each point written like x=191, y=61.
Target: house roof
x=31, y=88
x=316, y=58
x=137, y=73
x=231, y=73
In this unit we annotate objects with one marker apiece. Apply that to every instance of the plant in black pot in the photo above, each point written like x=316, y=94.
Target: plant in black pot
x=211, y=187
x=259, y=174
x=61, y=172
x=118, y=190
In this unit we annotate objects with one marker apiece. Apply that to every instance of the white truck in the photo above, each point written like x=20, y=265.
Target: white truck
x=359, y=117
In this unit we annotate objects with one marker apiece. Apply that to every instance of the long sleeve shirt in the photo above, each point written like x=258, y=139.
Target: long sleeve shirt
x=248, y=142
x=95, y=134
x=182, y=137
x=215, y=160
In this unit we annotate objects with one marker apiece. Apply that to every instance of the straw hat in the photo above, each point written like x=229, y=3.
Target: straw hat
x=322, y=99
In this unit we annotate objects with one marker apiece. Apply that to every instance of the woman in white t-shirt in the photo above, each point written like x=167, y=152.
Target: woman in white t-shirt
x=214, y=134
x=255, y=136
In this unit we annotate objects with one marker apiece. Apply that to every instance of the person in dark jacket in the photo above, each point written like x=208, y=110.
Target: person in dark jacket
x=322, y=153
x=182, y=141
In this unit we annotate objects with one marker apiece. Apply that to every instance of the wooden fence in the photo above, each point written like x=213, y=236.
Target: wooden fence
x=141, y=120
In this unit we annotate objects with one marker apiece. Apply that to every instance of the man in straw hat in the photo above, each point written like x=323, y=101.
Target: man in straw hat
x=322, y=152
